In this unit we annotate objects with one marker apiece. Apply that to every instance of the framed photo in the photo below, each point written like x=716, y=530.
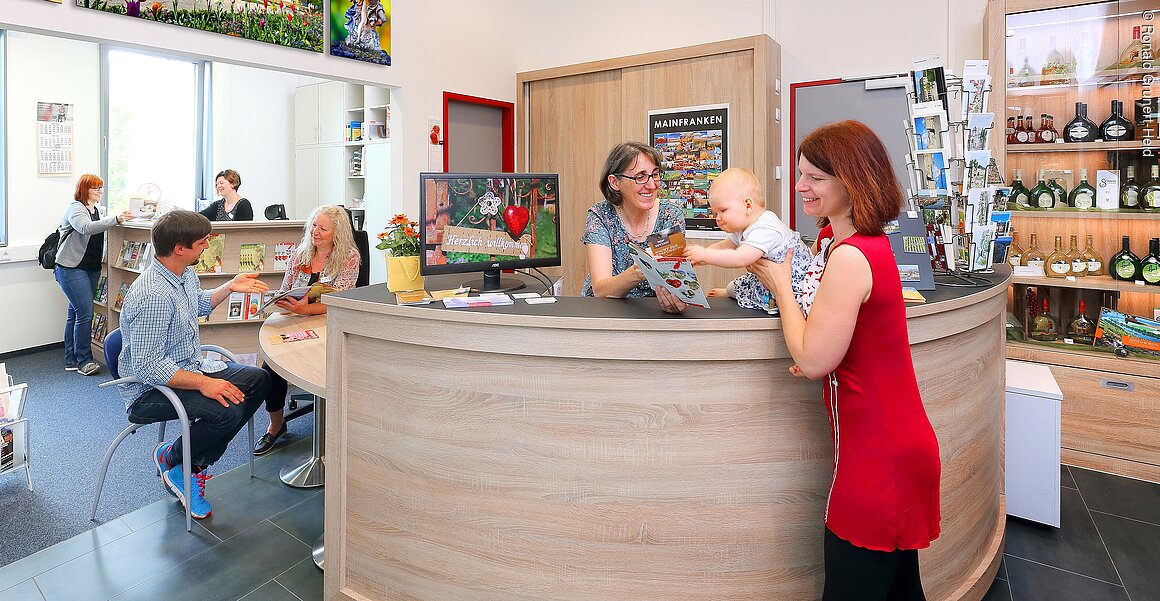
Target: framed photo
x=931, y=169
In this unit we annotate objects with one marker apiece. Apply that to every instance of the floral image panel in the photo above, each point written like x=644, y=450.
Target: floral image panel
x=282, y=22
x=361, y=29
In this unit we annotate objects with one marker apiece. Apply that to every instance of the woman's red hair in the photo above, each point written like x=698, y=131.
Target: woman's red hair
x=851, y=152
x=87, y=182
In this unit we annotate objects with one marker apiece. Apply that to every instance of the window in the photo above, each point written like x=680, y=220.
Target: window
x=3, y=141
x=154, y=129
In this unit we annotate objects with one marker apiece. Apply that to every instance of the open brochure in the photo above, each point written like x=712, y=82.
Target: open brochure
x=312, y=292
x=674, y=273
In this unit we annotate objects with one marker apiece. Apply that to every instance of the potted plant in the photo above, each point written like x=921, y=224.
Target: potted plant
x=401, y=241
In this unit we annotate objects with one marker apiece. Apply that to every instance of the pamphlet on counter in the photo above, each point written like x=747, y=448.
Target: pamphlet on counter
x=672, y=273
x=483, y=300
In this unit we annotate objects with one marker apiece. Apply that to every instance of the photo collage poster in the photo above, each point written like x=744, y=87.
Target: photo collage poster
x=694, y=146
x=361, y=30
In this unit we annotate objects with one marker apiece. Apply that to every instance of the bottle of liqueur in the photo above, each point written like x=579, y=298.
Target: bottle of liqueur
x=1044, y=328
x=1095, y=261
x=1080, y=129
x=1150, y=194
x=1010, y=130
x=1150, y=265
x=1075, y=257
x=1020, y=195
x=1133, y=55
x=1081, y=330
x=1023, y=130
x=1058, y=263
x=1046, y=132
x=1034, y=257
x=1084, y=195
x=1014, y=251
x=1116, y=128
x=1042, y=197
x=1060, y=193
x=1050, y=135
x=1124, y=265
x=1130, y=191
x=1026, y=75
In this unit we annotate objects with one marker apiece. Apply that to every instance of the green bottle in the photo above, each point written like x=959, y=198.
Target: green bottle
x=1042, y=197
x=1020, y=195
x=1150, y=193
x=1060, y=194
x=1125, y=265
x=1150, y=265
x=1084, y=195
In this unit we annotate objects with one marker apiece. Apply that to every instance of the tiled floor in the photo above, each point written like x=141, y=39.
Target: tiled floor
x=256, y=547
x=1107, y=547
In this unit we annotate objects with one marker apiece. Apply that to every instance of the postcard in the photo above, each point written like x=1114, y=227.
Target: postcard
x=979, y=127
x=931, y=167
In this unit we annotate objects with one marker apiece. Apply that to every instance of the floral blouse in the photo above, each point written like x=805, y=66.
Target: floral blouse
x=604, y=227
x=346, y=278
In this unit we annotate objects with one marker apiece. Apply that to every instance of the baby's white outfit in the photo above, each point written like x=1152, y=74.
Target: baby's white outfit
x=773, y=238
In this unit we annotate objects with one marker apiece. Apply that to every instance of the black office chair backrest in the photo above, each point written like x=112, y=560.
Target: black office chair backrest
x=275, y=212
x=363, y=243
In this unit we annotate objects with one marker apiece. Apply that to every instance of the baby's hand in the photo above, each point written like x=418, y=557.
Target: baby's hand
x=695, y=254
x=715, y=292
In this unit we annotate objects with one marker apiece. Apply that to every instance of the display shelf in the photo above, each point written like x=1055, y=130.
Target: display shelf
x=1072, y=213
x=1102, y=77
x=1070, y=355
x=1091, y=282
x=355, y=143
x=1099, y=146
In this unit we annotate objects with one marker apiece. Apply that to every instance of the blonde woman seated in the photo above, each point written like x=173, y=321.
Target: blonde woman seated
x=326, y=254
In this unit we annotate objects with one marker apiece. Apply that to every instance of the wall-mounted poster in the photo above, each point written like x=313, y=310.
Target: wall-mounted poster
x=282, y=22
x=361, y=29
x=54, y=139
x=694, y=146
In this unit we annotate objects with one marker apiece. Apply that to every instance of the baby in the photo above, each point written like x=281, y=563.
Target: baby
x=754, y=233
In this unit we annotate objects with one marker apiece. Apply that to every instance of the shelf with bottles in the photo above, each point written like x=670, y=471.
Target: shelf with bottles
x=1128, y=122
x=1061, y=146
x=1091, y=282
x=1055, y=189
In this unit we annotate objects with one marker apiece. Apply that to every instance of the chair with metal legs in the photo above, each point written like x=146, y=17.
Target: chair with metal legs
x=112, y=354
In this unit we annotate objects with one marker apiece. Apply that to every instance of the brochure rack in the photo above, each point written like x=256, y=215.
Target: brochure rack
x=13, y=398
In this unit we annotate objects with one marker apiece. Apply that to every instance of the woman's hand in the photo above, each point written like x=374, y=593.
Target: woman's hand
x=669, y=302
x=124, y=216
x=294, y=305
x=770, y=273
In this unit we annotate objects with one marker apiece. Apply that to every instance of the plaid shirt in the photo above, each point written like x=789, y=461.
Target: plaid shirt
x=159, y=329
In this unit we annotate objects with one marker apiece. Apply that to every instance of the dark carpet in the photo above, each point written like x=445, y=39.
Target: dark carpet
x=72, y=422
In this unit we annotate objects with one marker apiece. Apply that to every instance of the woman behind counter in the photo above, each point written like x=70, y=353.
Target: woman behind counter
x=78, y=266
x=629, y=213
x=231, y=206
x=326, y=254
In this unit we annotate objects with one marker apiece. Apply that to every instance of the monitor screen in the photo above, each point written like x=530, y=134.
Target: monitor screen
x=487, y=222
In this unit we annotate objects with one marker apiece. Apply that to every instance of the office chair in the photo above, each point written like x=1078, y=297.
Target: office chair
x=276, y=212
x=363, y=243
x=113, y=344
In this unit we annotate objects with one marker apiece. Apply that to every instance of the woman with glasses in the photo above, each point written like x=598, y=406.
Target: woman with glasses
x=629, y=213
x=78, y=266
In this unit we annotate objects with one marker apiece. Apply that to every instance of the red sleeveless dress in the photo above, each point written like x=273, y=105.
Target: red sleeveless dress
x=885, y=492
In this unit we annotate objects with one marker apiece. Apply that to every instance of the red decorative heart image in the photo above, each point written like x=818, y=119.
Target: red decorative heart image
x=516, y=219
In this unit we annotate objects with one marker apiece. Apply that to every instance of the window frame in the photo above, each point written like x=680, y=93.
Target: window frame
x=4, y=242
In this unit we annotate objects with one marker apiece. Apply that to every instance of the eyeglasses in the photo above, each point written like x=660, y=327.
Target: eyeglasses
x=97, y=188
x=642, y=178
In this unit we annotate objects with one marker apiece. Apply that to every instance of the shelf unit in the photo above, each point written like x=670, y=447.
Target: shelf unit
x=239, y=336
x=1105, y=412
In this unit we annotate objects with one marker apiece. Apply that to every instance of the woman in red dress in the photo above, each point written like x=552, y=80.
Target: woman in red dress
x=884, y=501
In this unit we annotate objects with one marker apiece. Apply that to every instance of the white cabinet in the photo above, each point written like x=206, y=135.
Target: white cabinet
x=319, y=113
x=318, y=178
x=1032, y=449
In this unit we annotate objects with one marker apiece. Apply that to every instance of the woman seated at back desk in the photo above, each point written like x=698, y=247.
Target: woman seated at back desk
x=231, y=206
x=629, y=213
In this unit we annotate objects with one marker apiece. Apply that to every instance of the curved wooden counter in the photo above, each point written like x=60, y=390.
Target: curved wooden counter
x=599, y=449
x=302, y=363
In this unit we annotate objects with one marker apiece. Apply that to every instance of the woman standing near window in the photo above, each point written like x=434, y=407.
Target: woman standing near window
x=231, y=206
x=78, y=266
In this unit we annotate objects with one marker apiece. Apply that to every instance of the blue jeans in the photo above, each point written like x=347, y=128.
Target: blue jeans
x=212, y=426
x=78, y=286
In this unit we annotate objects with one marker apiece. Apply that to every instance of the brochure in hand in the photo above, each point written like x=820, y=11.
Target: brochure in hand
x=673, y=273
x=312, y=292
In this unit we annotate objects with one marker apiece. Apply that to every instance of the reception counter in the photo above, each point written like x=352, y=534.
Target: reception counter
x=601, y=449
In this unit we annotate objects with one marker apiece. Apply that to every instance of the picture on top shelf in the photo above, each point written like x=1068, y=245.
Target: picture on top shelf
x=979, y=127
x=211, y=258
x=292, y=24
x=931, y=167
x=361, y=30
x=929, y=125
x=252, y=257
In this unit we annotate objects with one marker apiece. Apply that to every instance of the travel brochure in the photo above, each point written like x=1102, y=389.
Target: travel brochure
x=674, y=274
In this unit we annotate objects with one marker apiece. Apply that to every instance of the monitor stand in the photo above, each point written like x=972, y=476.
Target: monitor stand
x=492, y=282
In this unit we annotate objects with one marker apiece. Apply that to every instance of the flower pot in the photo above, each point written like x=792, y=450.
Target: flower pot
x=403, y=274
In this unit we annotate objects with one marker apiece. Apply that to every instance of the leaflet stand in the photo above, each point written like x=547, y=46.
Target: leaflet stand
x=13, y=399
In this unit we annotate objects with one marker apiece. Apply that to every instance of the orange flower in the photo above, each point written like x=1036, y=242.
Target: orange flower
x=399, y=219
x=383, y=235
x=408, y=232
x=156, y=8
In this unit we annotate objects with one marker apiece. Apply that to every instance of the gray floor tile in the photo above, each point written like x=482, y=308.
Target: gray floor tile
x=122, y=564
x=1135, y=549
x=25, y=591
x=271, y=591
x=229, y=570
x=23, y=569
x=152, y=513
x=1075, y=546
x=999, y=591
x=1002, y=573
x=1124, y=497
x=1065, y=479
x=303, y=521
x=304, y=580
x=1035, y=582
x=250, y=502
x=267, y=466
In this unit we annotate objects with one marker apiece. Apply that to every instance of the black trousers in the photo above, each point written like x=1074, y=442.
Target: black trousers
x=857, y=574
x=278, y=387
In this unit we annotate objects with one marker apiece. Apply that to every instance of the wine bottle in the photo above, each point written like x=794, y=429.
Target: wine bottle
x=1026, y=73
x=1150, y=265
x=1010, y=130
x=1014, y=251
x=1059, y=191
x=1124, y=265
x=1146, y=111
x=1080, y=129
x=1058, y=264
x=1034, y=257
x=1130, y=191
x=1042, y=196
x=1023, y=130
x=1081, y=330
x=1150, y=194
x=1046, y=132
x=1133, y=55
x=1020, y=195
x=1095, y=261
x=1116, y=128
x=1076, y=259
x=1084, y=195
x=1044, y=327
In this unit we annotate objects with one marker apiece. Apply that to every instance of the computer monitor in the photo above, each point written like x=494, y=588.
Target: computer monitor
x=488, y=222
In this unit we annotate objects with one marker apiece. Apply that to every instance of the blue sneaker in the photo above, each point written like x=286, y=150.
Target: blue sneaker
x=160, y=452
x=175, y=480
